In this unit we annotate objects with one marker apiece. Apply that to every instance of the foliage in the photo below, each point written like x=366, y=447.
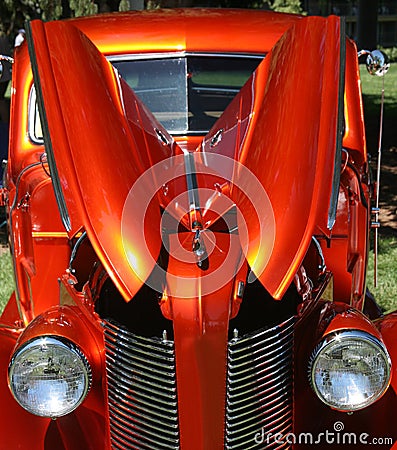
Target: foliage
x=14, y=13
x=391, y=53
x=287, y=6
x=51, y=9
x=83, y=7
x=22, y=10
x=6, y=279
x=124, y=5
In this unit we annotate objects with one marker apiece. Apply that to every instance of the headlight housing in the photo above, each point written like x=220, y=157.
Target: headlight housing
x=49, y=376
x=349, y=370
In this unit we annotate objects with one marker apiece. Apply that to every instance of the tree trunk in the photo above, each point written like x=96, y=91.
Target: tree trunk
x=137, y=4
x=367, y=24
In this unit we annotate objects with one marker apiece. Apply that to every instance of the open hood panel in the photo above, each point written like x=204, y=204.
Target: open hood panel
x=100, y=139
x=283, y=127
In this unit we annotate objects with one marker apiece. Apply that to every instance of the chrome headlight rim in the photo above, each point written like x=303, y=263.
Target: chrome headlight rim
x=62, y=342
x=352, y=335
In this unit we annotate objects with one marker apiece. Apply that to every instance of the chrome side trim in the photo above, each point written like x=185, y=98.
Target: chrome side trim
x=333, y=204
x=167, y=55
x=46, y=133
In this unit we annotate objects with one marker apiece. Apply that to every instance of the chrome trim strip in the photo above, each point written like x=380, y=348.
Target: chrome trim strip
x=333, y=204
x=56, y=183
x=179, y=54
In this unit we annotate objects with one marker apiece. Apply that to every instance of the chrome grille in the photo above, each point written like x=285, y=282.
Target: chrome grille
x=259, y=388
x=142, y=390
x=143, y=398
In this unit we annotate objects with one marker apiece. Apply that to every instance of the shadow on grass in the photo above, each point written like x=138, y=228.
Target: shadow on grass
x=388, y=176
x=372, y=118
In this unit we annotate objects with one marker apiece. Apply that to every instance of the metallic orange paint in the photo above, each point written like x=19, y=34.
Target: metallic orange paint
x=83, y=155
x=269, y=102
x=198, y=30
x=201, y=329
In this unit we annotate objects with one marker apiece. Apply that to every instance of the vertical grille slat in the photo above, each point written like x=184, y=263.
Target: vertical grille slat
x=142, y=389
x=259, y=387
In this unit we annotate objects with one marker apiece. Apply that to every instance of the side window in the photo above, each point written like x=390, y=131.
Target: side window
x=34, y=123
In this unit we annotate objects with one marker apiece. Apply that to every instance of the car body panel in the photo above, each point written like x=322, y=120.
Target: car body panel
x=200, y=31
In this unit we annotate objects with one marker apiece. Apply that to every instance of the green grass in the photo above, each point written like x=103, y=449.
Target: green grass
x=372, y=86
x=372, y=89
x=6, y=279
x=386, y=290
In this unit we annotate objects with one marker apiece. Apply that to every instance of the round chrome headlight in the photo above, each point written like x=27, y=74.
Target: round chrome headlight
x=350, y=370
x=49, y=376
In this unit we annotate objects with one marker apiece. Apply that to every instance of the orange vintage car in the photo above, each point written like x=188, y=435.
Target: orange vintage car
x=189, y=203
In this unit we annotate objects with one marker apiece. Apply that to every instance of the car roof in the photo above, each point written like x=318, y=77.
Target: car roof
x=196, y=30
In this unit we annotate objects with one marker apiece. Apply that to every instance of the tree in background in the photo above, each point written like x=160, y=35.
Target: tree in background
x=83, y=7
x=14, y=13
x=287, y=6
x=367, y=24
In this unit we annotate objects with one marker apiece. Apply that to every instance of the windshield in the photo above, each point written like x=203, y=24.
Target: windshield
x=186, y=94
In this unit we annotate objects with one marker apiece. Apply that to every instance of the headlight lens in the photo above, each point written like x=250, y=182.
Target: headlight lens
x=350, y=370
x=49, y=376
